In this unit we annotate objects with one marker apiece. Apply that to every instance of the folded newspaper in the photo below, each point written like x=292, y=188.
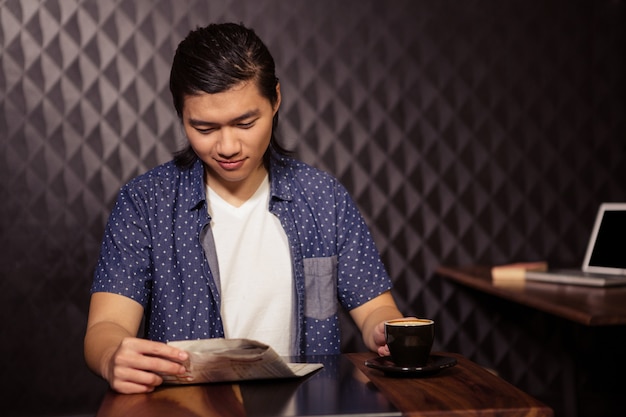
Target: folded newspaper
x=228, y=360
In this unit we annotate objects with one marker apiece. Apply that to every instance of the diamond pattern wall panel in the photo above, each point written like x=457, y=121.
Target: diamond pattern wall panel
x=468, y=132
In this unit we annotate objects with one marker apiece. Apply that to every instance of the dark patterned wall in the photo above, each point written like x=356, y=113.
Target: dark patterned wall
x=468, y=131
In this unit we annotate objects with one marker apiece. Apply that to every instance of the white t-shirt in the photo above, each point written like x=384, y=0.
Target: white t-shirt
x=257, y=289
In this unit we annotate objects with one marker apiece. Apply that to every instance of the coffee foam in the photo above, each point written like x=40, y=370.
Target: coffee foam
x=417, y=322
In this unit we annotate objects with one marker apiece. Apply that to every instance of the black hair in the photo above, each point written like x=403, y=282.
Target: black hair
x=215, y=58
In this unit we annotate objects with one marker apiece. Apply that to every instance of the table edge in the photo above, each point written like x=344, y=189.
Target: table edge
x=462, y=275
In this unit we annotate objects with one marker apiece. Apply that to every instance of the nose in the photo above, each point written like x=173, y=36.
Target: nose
x=228, y=145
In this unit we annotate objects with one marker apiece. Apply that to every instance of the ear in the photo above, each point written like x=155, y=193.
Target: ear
x=279, y=98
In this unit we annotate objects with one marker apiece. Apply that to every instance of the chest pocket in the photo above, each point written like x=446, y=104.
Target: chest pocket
x=320, y=277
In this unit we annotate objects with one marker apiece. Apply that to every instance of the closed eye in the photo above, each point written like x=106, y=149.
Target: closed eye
x=205, y=131
x=247, y=125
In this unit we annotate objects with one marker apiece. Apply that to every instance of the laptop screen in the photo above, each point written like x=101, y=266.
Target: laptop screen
x=606, y=252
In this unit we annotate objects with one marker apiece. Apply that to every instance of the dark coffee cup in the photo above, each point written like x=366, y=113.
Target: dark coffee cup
x=410, y=341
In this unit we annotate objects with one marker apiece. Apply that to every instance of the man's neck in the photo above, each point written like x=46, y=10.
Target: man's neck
x=237, y=193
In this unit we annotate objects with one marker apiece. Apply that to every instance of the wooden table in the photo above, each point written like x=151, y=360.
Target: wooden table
x=464, y=390
x=344, y=387
x=589, y=306
x=587, y=322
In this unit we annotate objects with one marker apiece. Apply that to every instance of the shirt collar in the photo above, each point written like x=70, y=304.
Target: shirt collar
x=280, y=173
x=198, y=194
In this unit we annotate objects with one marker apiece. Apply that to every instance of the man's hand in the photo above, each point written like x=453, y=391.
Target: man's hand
x=370, y=319
x=137, y=365
x=379, y=339
x=112, y=350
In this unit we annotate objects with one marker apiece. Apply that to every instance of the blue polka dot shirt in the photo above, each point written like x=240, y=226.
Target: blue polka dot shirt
x=152, y=252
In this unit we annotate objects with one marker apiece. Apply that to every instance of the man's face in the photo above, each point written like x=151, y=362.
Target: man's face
x=230, y=132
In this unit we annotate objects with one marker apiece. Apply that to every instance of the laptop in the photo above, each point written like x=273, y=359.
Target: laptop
x=605, y=259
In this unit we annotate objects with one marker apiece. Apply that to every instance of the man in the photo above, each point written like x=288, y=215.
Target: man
x=233, y=238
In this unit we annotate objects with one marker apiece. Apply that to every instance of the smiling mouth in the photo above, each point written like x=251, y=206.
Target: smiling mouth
x=231, y=165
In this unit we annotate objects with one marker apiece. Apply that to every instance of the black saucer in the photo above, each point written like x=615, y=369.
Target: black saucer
x=435, y=364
